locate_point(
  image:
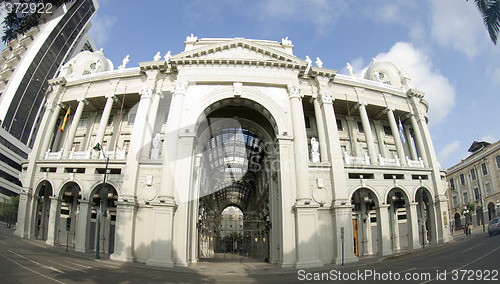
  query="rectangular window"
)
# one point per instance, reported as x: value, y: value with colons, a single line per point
x: 488, y: 189
x: 76, y: 146
x: 452, y: 184
x: 473, y: 174
x: 485, y: 170
x: 339, y: 125
x: 82, y: 122
x: 462, y: 179
x: 476, y: 193
x: 497, y: 158
x: 387, y: 130
x: 131, y: 118
x: 466, y: 198
x: 307, y: 121
x: 455, y: 201
x: 360, y: 127
x: 110, y: 120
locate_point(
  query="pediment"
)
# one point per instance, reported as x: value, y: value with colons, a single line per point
x: 239, y: 50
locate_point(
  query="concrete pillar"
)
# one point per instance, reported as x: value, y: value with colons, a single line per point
x: 384, y: 232
x: 83, y: 226
x: 409, y: 144
x: 161, y: 246
x: 412, y: 222
x: 419, y: 141
x: 103, y: 122
x: 380, y: 134
x: 393, y: 218
x: 368, y: 133
x: 125, y: 229
x: 50, y: 128
x: 353, y: 137
x: 342, y: 218
x: 53, y: 231
x: 169, y: 150
x: 323, y: 150
x: 299, y: 145
x: 306, y: 223
x: 74, y: 126
x: 24, y: 214
x: 395, y: 135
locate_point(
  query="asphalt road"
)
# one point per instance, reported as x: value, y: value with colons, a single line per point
x: 467, y: 260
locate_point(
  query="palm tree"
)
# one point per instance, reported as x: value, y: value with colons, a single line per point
x: 490, y: 10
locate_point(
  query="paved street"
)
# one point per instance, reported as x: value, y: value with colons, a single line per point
x: 467, y: 258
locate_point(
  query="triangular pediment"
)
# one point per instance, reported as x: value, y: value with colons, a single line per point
x: 239, y: 50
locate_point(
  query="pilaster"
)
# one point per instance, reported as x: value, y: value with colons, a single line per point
x: 161, y: 246
x: 306, y: 224
x: 53, y: 228
x: 124, y: 232
x: 83, y: 227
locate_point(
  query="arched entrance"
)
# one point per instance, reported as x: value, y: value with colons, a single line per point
x: 458, y: 223
x: 491, y: 211
x: 70, y: 207
x: 42, y: 210
x: 104, y: 208
x: 364, y: 203
x: 236, y: 157
x: 425, y: 213
x: 399, y: 225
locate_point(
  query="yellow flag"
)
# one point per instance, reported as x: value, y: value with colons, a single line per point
x: 66, y: 118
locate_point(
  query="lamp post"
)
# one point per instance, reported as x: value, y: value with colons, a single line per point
x: 98, y: 147
x: 466, y: 214
x: 498, y: 207
x: 480, y: 194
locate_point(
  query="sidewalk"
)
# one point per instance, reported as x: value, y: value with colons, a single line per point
x: 245, y: 268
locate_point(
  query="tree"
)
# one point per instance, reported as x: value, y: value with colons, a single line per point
x: 9, y: 209
x: 26, y: 14
x: 490, y: 10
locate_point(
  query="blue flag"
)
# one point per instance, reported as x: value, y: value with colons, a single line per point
x: 401, y: 134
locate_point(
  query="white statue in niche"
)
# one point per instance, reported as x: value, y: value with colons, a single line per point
x: 315, y: 150
x: 155, y: 151
x: 157, y: 57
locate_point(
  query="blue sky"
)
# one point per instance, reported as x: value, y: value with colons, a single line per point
x: 442, y: 44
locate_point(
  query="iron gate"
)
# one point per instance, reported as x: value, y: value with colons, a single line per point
x: 241, y: 241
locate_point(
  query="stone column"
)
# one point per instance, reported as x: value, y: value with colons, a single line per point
x: 368, y: 133
x: 420, y: 143
x: 411, y: 147
x: 384, y: 232
x: 171, y: 140
x: 380, y: 134
x: 299, y: 145
x: 104, y: 122
x: 321, y: 130
x: 393, y: 218
x: 395, y: 135
x: 151, y: 121
x: 161, y: 246
x: 50, y: 128
x: 342, y: 218
x: 125, y: 229
x: 353, y: 137
x: 24, y: 214
x: 83, y: 227
x: 53, y: 231
x: 74, y: 126
x: 412, y: 222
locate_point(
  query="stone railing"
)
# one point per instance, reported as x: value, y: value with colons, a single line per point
x: 53, y: 155
x: 80, y: 155
x: 395, y: 162
x: 415, y: 164
x: 114, y: 155
x: 354, y: 160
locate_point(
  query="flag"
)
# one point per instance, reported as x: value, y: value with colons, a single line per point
x: 66, y: 118
x: 401, y: 134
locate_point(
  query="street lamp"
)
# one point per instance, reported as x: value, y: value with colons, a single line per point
x: 498, y: 207
x: 466, y: 213
x: 98, y: 147
x: 480, y: 194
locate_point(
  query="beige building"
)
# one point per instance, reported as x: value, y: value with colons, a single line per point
x: 322, y: 165
x: 475, y: 180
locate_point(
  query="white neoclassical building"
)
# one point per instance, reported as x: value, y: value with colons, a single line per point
x: 323, y: 167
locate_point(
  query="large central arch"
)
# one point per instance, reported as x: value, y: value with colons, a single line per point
x: 237, y: 168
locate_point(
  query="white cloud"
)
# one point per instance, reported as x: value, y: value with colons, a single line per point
x: 489, y: 138
x: 447, y: 151
x: 458, y: 24
x: 438, y: 91
x: 101, y: 28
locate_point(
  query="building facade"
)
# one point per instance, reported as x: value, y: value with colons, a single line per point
x: 315, y: 160
x: 473, y: 186
x: 26, y: 65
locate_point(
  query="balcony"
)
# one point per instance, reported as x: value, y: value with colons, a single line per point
x: 83, y: 155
